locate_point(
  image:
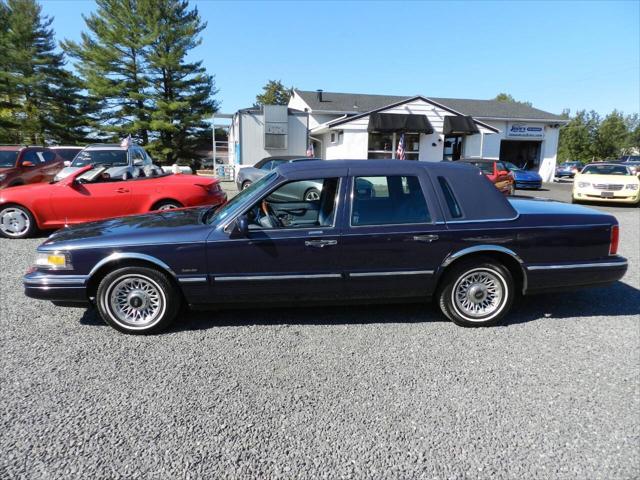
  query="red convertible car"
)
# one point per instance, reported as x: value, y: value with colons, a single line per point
x: 91, y: 194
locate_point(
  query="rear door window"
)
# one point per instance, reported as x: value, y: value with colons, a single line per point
x: 388, y: 200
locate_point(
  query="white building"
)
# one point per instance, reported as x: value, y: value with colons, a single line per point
x: 357, y: 126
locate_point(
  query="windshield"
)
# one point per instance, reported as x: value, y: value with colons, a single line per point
x: 605, y: 170
x: 237, y: 201
x: 100, y: 157
x: 8, y: 159
x: 486, y: 167
x: 511, y: 166
x: 67, y: 153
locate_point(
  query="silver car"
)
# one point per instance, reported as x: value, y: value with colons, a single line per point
x: 131, y: 161
x: 305, y: 191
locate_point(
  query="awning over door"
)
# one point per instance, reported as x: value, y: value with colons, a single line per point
x: 459, y: 125
x: 397, y: 122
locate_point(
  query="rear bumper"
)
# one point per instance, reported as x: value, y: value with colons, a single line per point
x: 543, y: 278
x: 64, y: 289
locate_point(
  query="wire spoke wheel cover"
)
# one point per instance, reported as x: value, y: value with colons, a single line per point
x: 479, y: 294
x: 14, y: 222
x: 136, y: 301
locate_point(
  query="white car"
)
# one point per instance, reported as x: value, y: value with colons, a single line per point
x: 606, y: 182
x: 130, y: 160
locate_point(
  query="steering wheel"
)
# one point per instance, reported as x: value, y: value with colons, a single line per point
x: 269, y: 213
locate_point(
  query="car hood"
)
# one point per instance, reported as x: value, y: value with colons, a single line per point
x: 169, y: 226
x: 609, y: 179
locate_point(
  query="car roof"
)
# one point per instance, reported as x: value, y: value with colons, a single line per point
x: 66, y: 146
x: 606, y: 164
x: 362, y: 165
x: 105, y: 146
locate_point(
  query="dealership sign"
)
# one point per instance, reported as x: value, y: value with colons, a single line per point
x: 528, y: 130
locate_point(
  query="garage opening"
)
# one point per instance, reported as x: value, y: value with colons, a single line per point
x: 524, y: 154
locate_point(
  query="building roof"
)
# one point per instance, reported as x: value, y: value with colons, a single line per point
x: 361, y: 103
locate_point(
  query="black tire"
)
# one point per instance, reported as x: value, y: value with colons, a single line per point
x: 12, y: 217
x: 246, y: 184
x: 114, y: 285
x: 573, y: 200
x: 167, y: 205
x: 499, y: 278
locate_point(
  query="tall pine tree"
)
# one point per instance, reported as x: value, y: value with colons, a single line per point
x: 111, y: 61
x: 40, y: 101
x: 181, y: 90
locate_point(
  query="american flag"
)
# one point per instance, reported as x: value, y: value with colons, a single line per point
x: 400, y: 149
x: 310, y: 151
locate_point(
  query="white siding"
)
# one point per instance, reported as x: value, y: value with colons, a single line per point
x: 252, y: 143
x: 356, y: 139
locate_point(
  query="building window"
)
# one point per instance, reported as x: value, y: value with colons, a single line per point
x: 384, y: 145
x: 452, y: 148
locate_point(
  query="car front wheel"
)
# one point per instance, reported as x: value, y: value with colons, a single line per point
x: 477, y: 293
x: 16, y: 222
x: 137, y: 300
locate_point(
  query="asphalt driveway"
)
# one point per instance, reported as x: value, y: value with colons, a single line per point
x: 359, y: 392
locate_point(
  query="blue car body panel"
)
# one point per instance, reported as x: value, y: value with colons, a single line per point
x: 548, y: 245
x: 527, y: 179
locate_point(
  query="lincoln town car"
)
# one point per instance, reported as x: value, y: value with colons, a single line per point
x: 378, y: 231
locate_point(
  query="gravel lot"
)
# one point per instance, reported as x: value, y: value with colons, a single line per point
x: 384, y: 392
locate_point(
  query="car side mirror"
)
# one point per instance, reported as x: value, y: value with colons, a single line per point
x: 27, y: 163
x: 67, y: 163
x: 240, y: 227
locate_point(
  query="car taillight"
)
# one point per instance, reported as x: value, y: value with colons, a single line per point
x: 615, y: 238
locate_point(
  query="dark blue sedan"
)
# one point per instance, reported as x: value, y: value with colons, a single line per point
x: 379, y: 231
x: 525, y: 179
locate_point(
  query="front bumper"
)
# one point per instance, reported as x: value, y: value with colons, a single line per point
x: 58, y: 288
x: 619, y: 196
x: 534, y: 184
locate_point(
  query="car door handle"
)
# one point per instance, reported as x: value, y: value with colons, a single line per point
x: 319, y: 243
x: 425, y: 238
x: 122, y: 190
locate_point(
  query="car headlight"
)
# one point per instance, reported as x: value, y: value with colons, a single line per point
x: 583, y: 184
x: 632, y: 186
x: 53, y: 260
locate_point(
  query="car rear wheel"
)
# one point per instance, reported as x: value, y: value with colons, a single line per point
x: 167, y: 205
x: 137, y: 300
x: 246, y: 184
x: 16, y: 222
x: 477, y: 293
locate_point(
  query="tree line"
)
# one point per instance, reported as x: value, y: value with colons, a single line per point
x: 589, y: 137
x: 133, y: 76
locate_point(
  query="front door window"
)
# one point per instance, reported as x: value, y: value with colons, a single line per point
x: 297, y: 204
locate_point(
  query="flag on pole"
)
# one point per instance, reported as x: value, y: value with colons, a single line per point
x: 310, y: 151
x: 400, y: 149
x: 126, y: 141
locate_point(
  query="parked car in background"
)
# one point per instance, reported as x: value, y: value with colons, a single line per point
x: 568, y: 169
x: 497, y: 172
x: 525, y: 179
x: 119, y: 160
x: 606, y: 182
x: 248, y: 175
x: 21, y: 165
x: 381, y: 230
x: 634, y: 166
x: 91, y: 194
x: 67, y: 152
